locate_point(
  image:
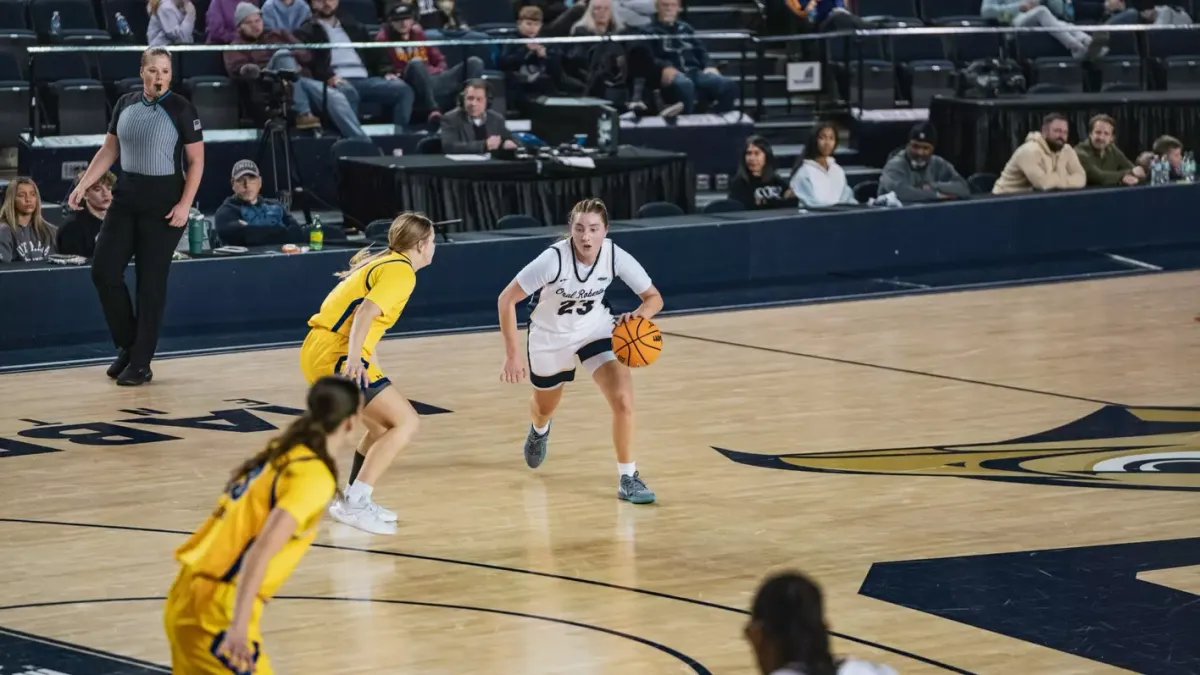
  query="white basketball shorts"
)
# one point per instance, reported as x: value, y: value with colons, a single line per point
x: 552, y: 355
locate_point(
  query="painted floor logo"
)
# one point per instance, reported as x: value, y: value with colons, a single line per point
x: 1114, y: 447
x: 26, y: 654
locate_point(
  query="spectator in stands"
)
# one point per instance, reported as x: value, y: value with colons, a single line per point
x: 757, y: 184
x: 286, y: 15
x: 248, y: 219
x: 635, y: 14
x: 1170, y: 149
x: 472, y: 128
x: 827, y: 15
x: 441, y: 19
x: 25, y: 236
x: 617, y: 71
x: 531, y: 69
x: 361, y: 75
x: 1103, y: 162
x: 424, y: 68
x: 1043, y: 162
x: 817, y: 180
x: 915, y: 174
x: 549, y: 10
x: 220, y: 27
x: 1119, y: 12
x: 1032, y: 13
x: 687, y: 72
x: 172, y: 22
x: 307, y: 93
x: 78, y: 232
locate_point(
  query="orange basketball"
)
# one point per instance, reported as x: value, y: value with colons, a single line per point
x: 637, y: 342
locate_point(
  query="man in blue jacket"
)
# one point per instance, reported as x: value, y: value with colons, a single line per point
x: 687, y: 73
x: 248, y: 219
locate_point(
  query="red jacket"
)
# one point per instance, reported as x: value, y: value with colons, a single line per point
x: 402, y: 55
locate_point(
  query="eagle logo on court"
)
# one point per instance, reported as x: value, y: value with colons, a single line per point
x: 1147, y: 448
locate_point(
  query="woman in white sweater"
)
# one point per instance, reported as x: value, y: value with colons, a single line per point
x: 817, y: 179
x: 172, y: 22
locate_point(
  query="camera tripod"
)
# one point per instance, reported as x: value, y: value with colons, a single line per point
x: 274, y: 135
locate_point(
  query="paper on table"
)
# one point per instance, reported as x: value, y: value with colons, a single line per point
x: 469, y: 158
x: 580, y: 162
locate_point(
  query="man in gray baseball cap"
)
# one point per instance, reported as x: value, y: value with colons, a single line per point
x: 249, y: 219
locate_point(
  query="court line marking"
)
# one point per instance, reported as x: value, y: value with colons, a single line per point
x: 85, y: 650
x: 516, y: 570
x: 894, y: 369
x: 695, y: 665
x: 716, y: 309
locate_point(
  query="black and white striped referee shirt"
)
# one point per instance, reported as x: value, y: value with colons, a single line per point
x: 152, y: 133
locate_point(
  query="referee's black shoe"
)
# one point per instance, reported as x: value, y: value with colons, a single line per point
x: 133, y: 377
x: 114, y: 371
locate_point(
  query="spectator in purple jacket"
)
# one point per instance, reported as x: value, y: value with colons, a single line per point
x: 219, y: 26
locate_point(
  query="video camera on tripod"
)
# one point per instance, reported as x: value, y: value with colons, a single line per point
x: 273, y: 86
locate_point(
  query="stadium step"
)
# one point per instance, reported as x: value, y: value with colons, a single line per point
x: 785, y: 133
x: 731, y: 63
x: 722, y: 17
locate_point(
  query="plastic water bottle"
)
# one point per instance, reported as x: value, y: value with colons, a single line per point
x: 55, y: 23
x: 1069, y: 10
x: 123, y: 25
x: 1189, y: 167
x: 316, y: 236
x: 195, y: 233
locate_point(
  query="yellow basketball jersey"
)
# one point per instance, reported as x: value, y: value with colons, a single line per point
x: 302, y: 485
x: 388, y: 282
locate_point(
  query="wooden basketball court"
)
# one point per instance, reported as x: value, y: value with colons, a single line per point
x: 501, y: 569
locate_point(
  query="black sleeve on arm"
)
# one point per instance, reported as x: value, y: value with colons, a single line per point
x: 122, y: 104
x: 187, y: 120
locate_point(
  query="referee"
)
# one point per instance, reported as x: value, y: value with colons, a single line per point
x: 151, y: 131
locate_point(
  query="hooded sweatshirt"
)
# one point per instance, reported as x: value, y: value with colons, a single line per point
x: 909, y: 183
x: 279, y: 16
x: 21, y: 244
x: 815, y: 185
x: 1034, y: 167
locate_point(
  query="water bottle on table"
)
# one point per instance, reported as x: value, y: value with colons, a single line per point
x: 316, y: 235
x: 195, y: 232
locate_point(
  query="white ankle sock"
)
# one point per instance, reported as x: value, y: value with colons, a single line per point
x: 541, y: 431
x: 359, y: 492
x: 627, y: 469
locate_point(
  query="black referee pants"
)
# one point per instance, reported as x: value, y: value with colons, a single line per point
x: 136, y: 225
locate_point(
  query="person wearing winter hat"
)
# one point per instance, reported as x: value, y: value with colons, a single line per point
x: 915, y: 174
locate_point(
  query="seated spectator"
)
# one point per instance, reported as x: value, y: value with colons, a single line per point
x: 917, y: 175
x: 358, y: 74
x: 548, y: 10
x: 817, y: 180
x: 424, y: 68
x: 1103, y: 162
x: 827, y: 15
x: 1032, y: 13
x: 24, y: 235
x: 617, y: 71
x: 248, y: 219
x: 78, y: 232
x: 220, y: 28
x: 472, y: 128
x: 1166, y: 148
x: 172, y: 22
x: 687, y: 73
x: 531, y: 69
x: 1043, y: 162
x: 440, y: 19
x: 757, y: 185
x: 634, y: 14
x: 286, y: 15
x: 307, y: 93
x: 1119, y: 12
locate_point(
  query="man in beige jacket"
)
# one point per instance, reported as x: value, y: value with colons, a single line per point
x: 1043, y: 162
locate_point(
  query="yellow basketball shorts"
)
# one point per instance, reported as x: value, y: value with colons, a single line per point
x: 198, y: 610
x: 324, y: 353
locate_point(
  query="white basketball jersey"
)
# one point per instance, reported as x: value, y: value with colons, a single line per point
x: 573, y: 301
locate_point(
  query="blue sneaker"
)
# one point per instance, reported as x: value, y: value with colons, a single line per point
x: 634, y: 490
x: 535, y: 447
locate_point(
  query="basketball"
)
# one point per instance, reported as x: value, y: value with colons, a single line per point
x: 637, y: 342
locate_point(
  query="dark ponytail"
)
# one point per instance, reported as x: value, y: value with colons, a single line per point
x: 791, y: 612
x: 330, y: 401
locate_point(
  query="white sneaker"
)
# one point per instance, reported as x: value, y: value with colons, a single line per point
x: 365, y: 517
x: 385, y: 514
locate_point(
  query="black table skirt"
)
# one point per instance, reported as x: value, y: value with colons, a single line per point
x: 981, y: 134
x: 481, y: 192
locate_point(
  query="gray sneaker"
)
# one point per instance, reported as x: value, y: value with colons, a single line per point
x: 535, y: 447
x: 634, y: 490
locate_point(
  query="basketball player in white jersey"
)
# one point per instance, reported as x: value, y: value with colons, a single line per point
x: 571, y: 320
x: 788, y: 634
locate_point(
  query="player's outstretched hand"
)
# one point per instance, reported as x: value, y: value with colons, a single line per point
x: 513, y: 372
x: 236, y: 649
x: 636, y: 314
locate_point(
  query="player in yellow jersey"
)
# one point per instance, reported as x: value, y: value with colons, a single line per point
x: 342, y: 339
x: 264, y: 523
